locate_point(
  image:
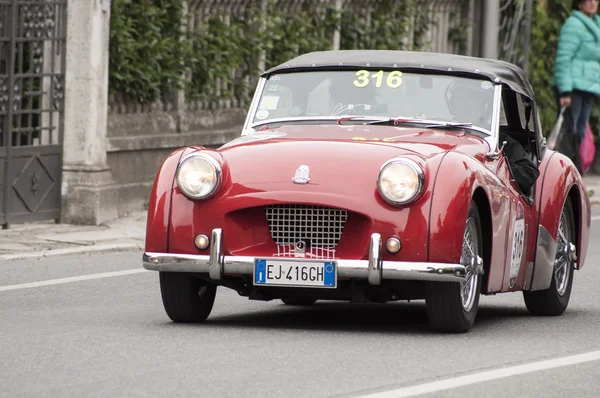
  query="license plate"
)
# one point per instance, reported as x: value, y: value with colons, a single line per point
x: 295, y: 273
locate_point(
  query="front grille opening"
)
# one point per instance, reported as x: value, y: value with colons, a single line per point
x: 316, y: 226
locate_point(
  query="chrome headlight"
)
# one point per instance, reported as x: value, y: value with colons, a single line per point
x: 199, y: 176
x: 400, y: 180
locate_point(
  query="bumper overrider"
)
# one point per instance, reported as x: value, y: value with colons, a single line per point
x: 374, y: 269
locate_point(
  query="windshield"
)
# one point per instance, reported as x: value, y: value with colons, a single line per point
x: 376, y: 93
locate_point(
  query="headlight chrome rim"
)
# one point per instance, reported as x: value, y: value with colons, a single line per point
x: 420, y: 177
x: 218, y: 173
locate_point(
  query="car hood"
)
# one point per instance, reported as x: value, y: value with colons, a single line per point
x: 418, y: 140
x: 340, y: 158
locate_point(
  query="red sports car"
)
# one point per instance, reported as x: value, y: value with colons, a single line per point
x: 374, y: 176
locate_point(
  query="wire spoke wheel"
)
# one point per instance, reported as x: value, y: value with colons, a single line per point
x: 555, y: 299
x: 563, y: 260
x: 469, y: 260
x: 452, y: 306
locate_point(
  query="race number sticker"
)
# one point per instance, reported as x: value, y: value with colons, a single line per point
x: 364, y: 78
x: 518, y: 240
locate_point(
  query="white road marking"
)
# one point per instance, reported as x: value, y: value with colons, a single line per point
x: 595, y: 218
x: 480, y: 377
x: 71, y: 279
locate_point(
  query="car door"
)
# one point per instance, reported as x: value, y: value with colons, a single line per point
x: 520, y: 230
x: 521, y: 220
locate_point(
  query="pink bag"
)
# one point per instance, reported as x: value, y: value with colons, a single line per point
x: 587, y: 149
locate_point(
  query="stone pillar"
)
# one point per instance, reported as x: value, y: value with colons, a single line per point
x: 337, y: 32
x: 263, y: 26
x: 491, y: 29
x: 88, y: 191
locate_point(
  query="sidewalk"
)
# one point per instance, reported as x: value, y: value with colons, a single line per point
x: 37, y: 240
x: 50, y: 239
x: 592, y: 182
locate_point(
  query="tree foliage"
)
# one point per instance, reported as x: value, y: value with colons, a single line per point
x: 547, y: 19
x: 154, y: 52
x: 146, y: 53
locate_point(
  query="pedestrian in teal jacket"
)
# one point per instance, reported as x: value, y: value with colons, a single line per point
x: 576, y: 79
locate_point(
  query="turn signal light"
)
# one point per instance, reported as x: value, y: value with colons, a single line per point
x: 393, y: 245
x: 201, y: 242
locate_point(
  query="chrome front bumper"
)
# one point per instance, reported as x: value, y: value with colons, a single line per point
x: 373, y: 269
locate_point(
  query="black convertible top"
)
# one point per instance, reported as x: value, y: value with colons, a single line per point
x: 494, y: 70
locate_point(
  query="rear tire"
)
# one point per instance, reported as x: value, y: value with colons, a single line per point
x: 449, y: 310
x: 185, y: 297
x: 554, y: 300
x: 298, y: 301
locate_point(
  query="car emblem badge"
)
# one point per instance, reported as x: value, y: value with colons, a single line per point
x: 301, y: 176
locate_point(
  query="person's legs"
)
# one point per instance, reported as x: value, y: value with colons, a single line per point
x: 575, y: 116
x: 578, y: 102
x: 586, y: 100
x: 585, y: 109
x: 582, y: 123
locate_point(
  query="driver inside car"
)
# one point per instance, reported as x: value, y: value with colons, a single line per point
x: 469, y: 102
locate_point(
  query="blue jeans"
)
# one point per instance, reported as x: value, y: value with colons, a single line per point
x: 577, y: 115
x: 574, y: 126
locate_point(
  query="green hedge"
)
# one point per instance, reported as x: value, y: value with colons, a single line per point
x: 150, y: 57
x: 548, y: 17
x: 147, y: 55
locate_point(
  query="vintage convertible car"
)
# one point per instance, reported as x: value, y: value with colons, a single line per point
x: 373, y: 176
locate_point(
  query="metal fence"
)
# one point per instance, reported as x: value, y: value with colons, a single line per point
x: 514, y: 32
x: 451, y: 26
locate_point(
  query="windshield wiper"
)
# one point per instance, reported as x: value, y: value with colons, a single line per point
x: 431, y: 123
x: 346, y: 118
x: 396, y: 121
x: 448, y: 125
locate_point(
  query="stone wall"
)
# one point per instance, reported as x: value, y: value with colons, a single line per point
x: 141, y: 137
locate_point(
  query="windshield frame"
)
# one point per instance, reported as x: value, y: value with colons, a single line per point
x: 249, y: 127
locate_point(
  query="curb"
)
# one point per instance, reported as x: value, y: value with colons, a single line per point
x: 75, y: 250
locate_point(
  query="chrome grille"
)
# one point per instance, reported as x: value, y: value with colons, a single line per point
x: 316, y: 226
x: 311, y: 252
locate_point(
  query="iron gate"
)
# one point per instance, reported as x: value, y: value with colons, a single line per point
x: 32, y: 77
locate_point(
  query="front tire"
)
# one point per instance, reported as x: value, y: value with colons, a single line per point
x: 554, y: 300
x: 185, y: 297
x: 452, y: 306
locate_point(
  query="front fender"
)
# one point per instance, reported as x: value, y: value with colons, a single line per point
x: 456, y: 181
x: 561, y: 182
x: 159, y: 203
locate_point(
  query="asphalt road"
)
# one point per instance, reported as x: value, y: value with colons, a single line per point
x: 108, y: 335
